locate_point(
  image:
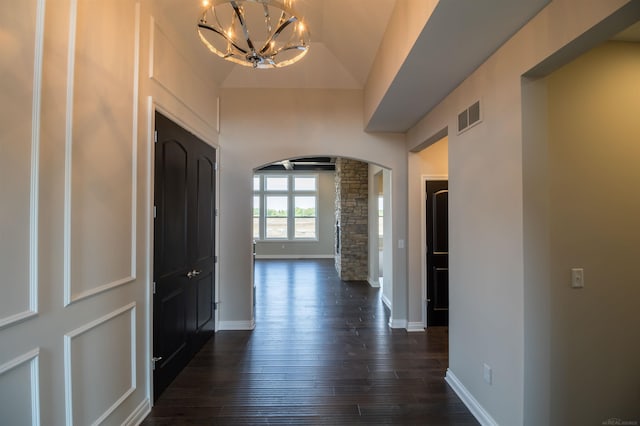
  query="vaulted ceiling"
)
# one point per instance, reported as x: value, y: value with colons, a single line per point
x: 345, y: 38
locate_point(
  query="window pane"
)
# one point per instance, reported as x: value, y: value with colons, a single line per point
x: 276, y: 183
x: 277, y: 207
x: 304, y: 183
x: 256, y: 206
x: 305, y: 206
x: 256, y: 183
x: 276, y: 227
x: 256, y: 228
x: 305, y: 227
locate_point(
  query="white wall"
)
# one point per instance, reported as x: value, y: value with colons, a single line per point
x: 324, y: 246
x: 76, y: 217
x: 486, y: 211
x: 594, y: 154
x: 286, y: 124
x: 430, y: 162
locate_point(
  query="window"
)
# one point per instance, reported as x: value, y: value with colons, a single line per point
x: 289, y: 207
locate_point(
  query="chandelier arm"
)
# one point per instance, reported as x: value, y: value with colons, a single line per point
x: 277, y: 32
x: 267, y: 16
x: 243, y: 23
x: 223, y: 34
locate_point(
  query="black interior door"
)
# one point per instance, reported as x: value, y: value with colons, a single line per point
x: 184, y: 249
x: 437, y: 210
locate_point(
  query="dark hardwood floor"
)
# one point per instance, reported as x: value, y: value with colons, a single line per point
x: 321, y: 353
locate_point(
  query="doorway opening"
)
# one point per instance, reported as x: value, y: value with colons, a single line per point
x: 325, y: 208
x: 432, y: 164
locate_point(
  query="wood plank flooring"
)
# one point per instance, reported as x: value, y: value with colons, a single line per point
x: 321, y: 353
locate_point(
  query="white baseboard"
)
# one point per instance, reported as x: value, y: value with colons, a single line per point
x: 139, y: 414
x: 373, y: 282
x: 397, y: 323
x: 415, y: 327
x: 294, y: 256
x: 237, y: 325
x: 386, y: 301
x: 472, y: 404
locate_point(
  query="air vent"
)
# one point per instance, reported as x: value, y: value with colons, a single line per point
x: 469, y: 117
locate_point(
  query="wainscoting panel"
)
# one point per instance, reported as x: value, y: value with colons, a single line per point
x: 99, y: 376
x: 19, y: 390
x: 100, y: 151
x: 21, y: 65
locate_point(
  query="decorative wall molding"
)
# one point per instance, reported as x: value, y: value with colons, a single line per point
x: 68, y: 361
x: 69, y: 295
x: 34, y: 175
x: 32, y: 357
x: 139, y: 414
x: 467, y: 398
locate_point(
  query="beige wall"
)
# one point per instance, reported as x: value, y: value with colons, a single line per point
x: 430, y: 162
x: 487, y: 263
x: 593, y: 106
x: 287, y: 124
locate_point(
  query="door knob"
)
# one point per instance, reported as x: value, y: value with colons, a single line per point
x: 196, y: 272
x: 190, y: 274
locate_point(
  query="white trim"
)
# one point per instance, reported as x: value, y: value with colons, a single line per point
x: 373, y: 282
x: 34, y: 184
x: 416, y: 326
x: 423, y: 242
x: 139, y: 414
x: 218, y: 114
x: 294, y: 256
x: 35, y: 161
x: 397, y: 323
x: 237, y: 325
x: 68, y: 146
x: 483, y: 417
x: 68, y: 379
x: 149, y: 249
x: 69, y: 296
x: 32, y: 357
x: 385, y: 300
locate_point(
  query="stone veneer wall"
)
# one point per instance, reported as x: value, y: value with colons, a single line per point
x: 352, y: 197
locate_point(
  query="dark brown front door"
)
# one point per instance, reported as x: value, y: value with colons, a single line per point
x: 437, y: 253
x: 184, y: 255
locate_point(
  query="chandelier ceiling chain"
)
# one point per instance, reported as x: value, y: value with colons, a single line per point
x: 242, y: 31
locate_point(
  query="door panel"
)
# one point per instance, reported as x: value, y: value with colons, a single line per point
x: 205, y: 211
x: 171, y: 201
x: 437, y: 217
x: 184, y: 249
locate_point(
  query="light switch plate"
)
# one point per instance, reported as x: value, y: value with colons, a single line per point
x: 577, y: 278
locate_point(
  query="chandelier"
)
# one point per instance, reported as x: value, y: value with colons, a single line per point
x: 254, y: 33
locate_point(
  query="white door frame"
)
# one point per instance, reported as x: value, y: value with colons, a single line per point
x: 423, y: 244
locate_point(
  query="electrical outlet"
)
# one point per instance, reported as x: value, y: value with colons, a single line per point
x: 486, y: 374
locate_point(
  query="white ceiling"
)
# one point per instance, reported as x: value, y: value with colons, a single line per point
x: 345, y: 36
